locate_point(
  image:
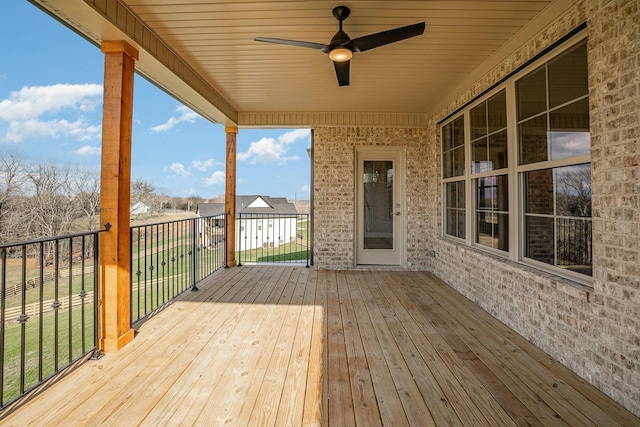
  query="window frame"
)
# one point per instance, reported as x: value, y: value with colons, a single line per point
x: 515, y: 171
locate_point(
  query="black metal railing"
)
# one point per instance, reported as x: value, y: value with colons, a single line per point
x: 272, y: 238
x: 48, y: 309
x: 170, y: 257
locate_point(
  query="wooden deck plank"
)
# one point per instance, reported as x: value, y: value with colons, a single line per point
x: 508, y: 342
x: 500, y: 409
x: 410, y: 396
x: 391, y: 409
x: 169, y: 366
x: 363, y: 395
x: 227, y: 404
x: 455, y: 395
x: 313, y: 414
x: 517, y: 377
x: 188, y: 397
x: 293, y: 392
x: 290, y: 346
x: 340, y: 403
x: 236, y: 359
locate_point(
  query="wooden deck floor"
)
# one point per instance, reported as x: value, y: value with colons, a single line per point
x: 289, y: 346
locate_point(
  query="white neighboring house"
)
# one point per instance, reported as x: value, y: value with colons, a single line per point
x: 261, y: 221
x: 139, y: 208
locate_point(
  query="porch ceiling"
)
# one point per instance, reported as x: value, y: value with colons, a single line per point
x: 203, y: 52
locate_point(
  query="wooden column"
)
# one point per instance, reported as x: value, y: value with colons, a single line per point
x: 230, y: 196
x: 115, y: 251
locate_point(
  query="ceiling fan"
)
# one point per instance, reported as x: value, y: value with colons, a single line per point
x: 341, y: 47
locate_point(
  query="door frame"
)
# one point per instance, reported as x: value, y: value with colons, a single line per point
x: 398, y: 155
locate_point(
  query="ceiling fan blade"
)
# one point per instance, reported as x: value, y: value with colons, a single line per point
x: 298, y: 43
x: 342, y: 72
x: 361, y: 44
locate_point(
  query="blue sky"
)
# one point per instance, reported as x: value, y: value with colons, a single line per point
x: 51, y: 111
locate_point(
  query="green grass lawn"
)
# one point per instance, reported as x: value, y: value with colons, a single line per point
x: 66, y: 350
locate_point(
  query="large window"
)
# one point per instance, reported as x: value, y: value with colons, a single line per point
x: 488, y: 121
x: 453, y: 171
x: 527, y: 167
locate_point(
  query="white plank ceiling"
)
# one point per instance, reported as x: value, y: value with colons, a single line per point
x: 255, y: 82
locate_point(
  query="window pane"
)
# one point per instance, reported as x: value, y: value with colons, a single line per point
x: 498, y: 150
x: 539, y: 192
x: 453, y: 148
x: 447, y: 164
x: 479, y: 156
x: 447, y: 137
x: 492, y: 193
x: 569, y: 130
x: 453, y: 134
x: 497, y: 112
x: 458, y: 161
x: 561, y: 200
x: 455, y: 209
x: 533, y: 140
x: 539, y: 239
x: 573, y: 191
x: 573, y: 243
x: 531, y: 94
x: 493, y: 230
x: 492, y: 219
x: 458, y: 132
x: 478, y: 116
x: 453, y: 163
x: 568, y: 76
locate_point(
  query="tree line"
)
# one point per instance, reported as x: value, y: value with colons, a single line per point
x: 46, y: 200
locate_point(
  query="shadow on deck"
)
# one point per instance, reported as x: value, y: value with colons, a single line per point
x: 274, y: 346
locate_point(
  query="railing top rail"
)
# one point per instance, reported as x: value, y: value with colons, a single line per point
x: 49, y: 239
x: 175, y: 221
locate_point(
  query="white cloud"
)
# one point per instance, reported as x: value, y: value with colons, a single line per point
x: 178, y: 169
x: 203, y: 165
x: 306, y: 189
x: 218, y: 177
x: 88, y: 150
x: 185, y: 114
x: 269, y: 150
x: 24, y: 110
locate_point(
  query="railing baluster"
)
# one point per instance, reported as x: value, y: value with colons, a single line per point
x: 3, y: 282
x: 41, y: 311
x: 23, y: 318
x: 70, y: 295
x: 56, y: 304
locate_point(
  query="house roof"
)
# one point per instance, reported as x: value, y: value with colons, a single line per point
x: 251, y: 205
x: 204, y: 53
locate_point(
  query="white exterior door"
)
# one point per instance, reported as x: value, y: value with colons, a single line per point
x: 380, y: 222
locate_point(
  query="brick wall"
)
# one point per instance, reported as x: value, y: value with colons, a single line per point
x: 334, y: 184
x: 594, y: 331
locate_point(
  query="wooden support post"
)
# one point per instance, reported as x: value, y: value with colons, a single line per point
x: 115, y: 177
x: 230, y: 196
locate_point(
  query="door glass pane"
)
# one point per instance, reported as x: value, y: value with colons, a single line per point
x: 378, y: 204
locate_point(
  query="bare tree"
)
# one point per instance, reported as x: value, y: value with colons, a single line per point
x: 84, y: 185
x: 12, y: 177
x: 52, y: 209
